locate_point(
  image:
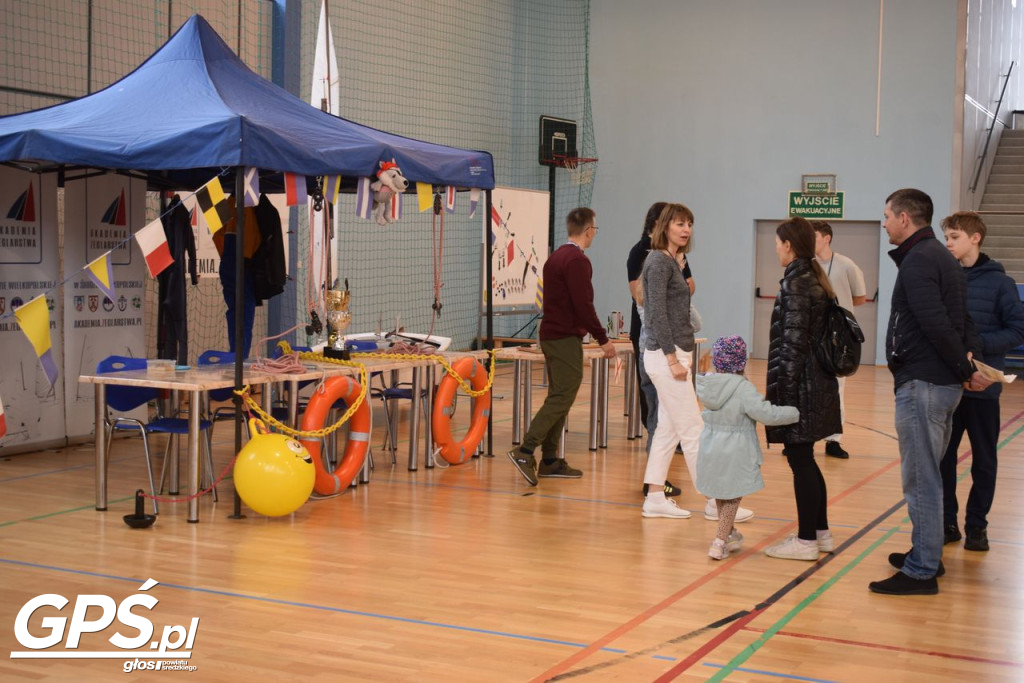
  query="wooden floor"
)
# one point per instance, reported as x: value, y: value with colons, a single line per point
x: 468, y: 574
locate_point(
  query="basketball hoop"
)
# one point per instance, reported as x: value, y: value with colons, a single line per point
x: 581, y: 169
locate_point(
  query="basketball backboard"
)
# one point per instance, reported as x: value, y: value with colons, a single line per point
x: 557, y: 140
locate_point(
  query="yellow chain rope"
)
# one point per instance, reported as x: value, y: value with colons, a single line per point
x: 363, y: 384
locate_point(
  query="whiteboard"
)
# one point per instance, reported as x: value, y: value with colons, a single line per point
x: 517, y: 236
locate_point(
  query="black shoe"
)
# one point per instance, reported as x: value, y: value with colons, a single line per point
x: 897, y: 560
x: 901, y: 584
x: 951, y: 534
x: 977, y: 539
x: 526, y: 464
x: 670, y: 490
x: 836, y: 450
x: 558, y: 469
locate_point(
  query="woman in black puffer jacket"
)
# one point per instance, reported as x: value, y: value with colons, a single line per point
x: 796, y: 378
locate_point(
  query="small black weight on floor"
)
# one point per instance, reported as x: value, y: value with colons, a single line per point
x: 140, y: 520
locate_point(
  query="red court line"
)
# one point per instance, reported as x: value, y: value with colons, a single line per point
x: 892, y: 648
x: 652, y: 611
x: 707, y: 647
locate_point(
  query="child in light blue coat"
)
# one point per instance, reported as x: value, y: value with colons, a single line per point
x: 729, y: 461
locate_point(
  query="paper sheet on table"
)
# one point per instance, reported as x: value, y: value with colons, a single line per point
x: 993, y: 374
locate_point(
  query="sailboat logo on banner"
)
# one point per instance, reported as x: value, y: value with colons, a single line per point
x: 115, y: 213
x: 24, y: 207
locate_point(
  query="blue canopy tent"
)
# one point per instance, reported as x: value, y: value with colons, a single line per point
x: 194, y: 109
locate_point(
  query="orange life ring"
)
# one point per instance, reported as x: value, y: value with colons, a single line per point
x: 358, y: 445
x: 456, y: 452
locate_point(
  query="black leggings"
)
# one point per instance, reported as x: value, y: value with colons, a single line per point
x: 809, y: 487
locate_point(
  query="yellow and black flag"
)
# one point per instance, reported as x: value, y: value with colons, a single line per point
x: 214, y: 204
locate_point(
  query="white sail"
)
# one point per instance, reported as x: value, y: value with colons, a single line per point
x: 323, y: 95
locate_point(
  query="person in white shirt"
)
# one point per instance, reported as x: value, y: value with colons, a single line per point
x: 848, y: 282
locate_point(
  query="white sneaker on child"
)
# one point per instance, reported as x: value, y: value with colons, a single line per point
x: 718, y: 550
x: 663, y: 507
x: 734, y: 542
x: 793, y: 548
x: 711, y: 513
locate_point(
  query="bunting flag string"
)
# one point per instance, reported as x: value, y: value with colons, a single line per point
x: 153, y: 242
x: 252, y: 187
x: 332, y: 188
x: 425, y: 196
x: 395, y: 206
x: 214, y: 204
x: 101, y: 272
x: 364, y: 199
x: 294, y: 189
x: 34, y: 319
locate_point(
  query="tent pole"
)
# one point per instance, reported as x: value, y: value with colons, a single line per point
x: 239, y: 318
x: 490, y: 315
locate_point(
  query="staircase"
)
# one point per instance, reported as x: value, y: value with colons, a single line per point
x: 1004, y: 195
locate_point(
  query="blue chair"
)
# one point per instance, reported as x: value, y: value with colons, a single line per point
x: 387, y: 394
x: 220, y: 395
x: 125, y: 398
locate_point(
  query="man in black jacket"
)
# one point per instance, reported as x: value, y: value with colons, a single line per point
x: 928, y: 345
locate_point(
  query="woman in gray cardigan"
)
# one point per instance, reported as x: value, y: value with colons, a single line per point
x: 667, y: 357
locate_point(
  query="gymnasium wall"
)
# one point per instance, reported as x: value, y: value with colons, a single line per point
x: 723, y: 104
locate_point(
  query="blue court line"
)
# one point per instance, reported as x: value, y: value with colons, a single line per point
x: 307, y: 605
x: 774, y: 674
x: 71, y: 468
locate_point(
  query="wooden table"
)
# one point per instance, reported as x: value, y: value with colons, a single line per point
x: 522, y: 388
x: 195, y: 381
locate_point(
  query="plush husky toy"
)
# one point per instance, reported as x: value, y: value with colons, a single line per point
x: 390, y: 182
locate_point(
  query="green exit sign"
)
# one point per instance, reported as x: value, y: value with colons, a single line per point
x: 820, y: 206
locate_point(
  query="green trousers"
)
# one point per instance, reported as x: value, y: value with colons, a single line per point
x: 564, y: 358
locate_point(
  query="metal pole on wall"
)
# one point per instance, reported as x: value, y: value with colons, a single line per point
x: 551, y: 209
x: 489, y: 292
x: 239, y: 318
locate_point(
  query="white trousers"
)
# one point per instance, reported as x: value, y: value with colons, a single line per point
x: 679, y: 420
x: 838, y: 438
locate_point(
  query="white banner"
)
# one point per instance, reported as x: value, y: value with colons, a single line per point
x: 29, y: 266
x: 101, y: 213
x: 518, y: 244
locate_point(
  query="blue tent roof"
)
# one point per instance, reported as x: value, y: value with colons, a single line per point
x: 195, y: 105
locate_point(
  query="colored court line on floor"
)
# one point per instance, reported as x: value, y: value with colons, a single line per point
x: 749, y: 651
x: 561, y: 667
x: 890, y: 648
x: 775, y: 674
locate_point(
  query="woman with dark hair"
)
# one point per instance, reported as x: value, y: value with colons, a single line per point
x: 796, y: 378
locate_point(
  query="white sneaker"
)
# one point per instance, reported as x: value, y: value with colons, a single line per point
x: 711, y: 513
x: 734, y: 542
x: 718, y: 550
x: 666, y: 507
x: 793, y: 548
x: 826, y: 543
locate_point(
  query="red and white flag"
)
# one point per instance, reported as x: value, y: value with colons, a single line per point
x: 3, y: 420
x: 449, y: 199
x: 153, y: 243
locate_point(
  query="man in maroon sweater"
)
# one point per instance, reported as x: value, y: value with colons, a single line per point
x: 568, y: 315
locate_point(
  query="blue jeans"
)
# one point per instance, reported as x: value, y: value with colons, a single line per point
x: 924, y: 417
x: 651, y: 395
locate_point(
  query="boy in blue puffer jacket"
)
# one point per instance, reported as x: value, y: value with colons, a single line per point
x: 998, y: 315
x: 729, y: 457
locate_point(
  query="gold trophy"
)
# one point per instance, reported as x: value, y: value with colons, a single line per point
x: 338, y: 319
